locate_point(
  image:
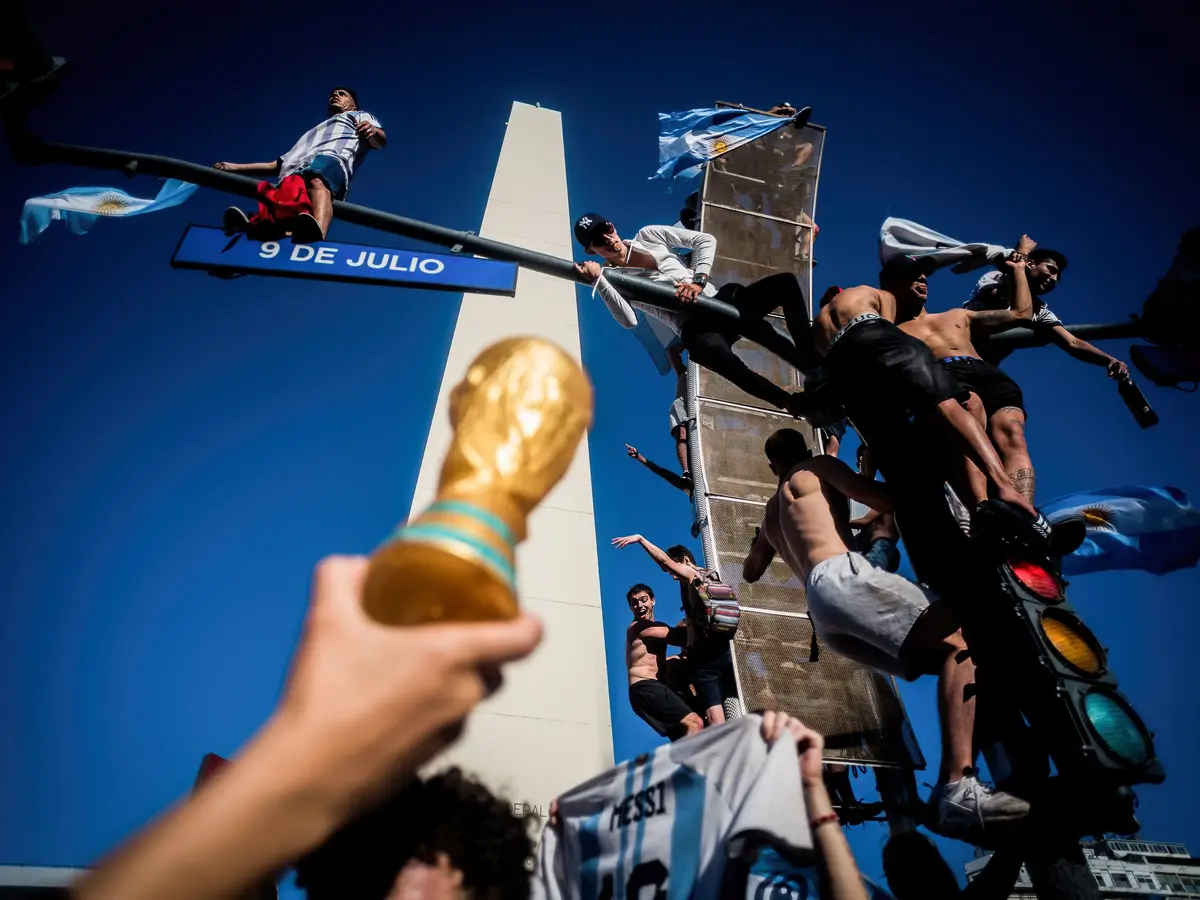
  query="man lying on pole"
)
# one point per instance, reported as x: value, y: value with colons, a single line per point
x: 708, y: 340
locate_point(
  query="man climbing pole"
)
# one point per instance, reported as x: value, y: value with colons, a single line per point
x: 323, y: 160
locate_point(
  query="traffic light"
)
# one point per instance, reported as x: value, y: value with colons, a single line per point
x: 1069, y: 694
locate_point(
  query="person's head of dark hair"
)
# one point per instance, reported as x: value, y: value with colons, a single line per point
x: 828, y: 296
x: 1044, y: 269
x: 638, y: 588
x: 340, y: 94
x: 905, y: 277
x: 447, y: 814
x: 681, y: 554
x: 785, y: 448
x: 915, y: 870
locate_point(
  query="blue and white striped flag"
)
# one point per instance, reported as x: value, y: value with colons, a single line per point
x: 1154, y: 529
x: 689, y: 139
x: 80, y: 207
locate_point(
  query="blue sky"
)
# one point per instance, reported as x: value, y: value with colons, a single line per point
x: 180, y: 450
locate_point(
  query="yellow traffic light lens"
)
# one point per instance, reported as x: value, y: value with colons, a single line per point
x: 1118, y: 727
x: 1073, y: 642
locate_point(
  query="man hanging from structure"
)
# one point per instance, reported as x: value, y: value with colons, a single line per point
x: 875, y: 617
x: 655, y: 702
x: 708, y: 340
x: 708, y: 654
x: 1043, y: 270
x: 325, y: 158
x: 879, y: 373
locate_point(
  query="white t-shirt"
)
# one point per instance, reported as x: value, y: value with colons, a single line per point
x: 987, y: 295
x: 334, y: 137
x: 660, y: 241
x: 671, y: 820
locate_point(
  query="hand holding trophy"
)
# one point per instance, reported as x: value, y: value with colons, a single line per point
x: 518, y: 417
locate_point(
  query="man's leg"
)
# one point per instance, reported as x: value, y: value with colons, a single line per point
x: 711, y: 350
x: 964, y: 804
x: 972, y: 440
x: 969, y: 482
x: 322, y: 204
x: 1007, y: 431
x: 782, y: 291
x: 681, y: 448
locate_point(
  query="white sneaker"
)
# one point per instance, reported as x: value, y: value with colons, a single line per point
x: 968, y: 806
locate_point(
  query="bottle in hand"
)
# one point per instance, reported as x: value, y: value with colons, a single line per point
x: 1136, y: 401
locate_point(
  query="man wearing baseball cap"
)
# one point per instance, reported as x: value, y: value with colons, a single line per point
x: 1045, y: 268
x: 652, y: 254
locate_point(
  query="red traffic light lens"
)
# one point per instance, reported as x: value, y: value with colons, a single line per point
x: 1037, y: 579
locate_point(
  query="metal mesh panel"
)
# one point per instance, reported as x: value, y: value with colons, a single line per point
x: 758, y: 202
x: 728, y: 448
x: 856, y: 709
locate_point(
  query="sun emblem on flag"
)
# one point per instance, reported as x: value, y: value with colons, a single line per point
x: 1098, y: 517
x: 110, y: 204
x: 720, y: 145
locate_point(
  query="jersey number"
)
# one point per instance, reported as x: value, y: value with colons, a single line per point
x: 648, y: 874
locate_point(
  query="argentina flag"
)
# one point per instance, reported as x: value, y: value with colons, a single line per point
x: 689, y: 139
x: 1154, y: 529
x: 79, y: 208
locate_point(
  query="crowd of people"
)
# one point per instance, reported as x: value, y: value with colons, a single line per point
x: 330, y: 781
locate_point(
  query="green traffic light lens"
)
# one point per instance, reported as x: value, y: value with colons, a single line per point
x: 1117, y: 727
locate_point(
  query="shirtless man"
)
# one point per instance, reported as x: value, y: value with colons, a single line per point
x: 876, y: 367
x: 949, y: 335
x: 645, y: 652
x: 875, y: 617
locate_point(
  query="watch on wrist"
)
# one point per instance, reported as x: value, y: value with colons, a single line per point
x: 701, y: 280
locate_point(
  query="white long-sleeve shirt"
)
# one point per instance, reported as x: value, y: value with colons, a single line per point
x: 660, y: 241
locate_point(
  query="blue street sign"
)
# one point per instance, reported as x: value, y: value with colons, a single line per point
x: 212, y: 250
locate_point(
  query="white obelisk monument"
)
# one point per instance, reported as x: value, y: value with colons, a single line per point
x: 549, y: 727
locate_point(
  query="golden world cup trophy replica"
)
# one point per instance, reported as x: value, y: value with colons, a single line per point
x: 518, y: 417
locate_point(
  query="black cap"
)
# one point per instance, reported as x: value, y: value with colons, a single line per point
x: 907, y: 266
x: 1039, y: 254
x: 589, y: 227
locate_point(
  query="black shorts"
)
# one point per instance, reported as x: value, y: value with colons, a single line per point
x: 878, y: 368
x: 659, y: 707
x: 994, y: 388
x: 712, y: 674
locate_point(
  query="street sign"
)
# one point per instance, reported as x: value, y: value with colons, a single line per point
x: 212, y: 250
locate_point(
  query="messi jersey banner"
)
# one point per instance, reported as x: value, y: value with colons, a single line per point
x: 1154, y: 529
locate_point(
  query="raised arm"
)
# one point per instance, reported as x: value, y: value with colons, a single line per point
x: 265, y: 168
x: 760, y: 556
x: 671, y: 478
x: 1020, y: 297
x: 843, y: 479
x: 683, y: 570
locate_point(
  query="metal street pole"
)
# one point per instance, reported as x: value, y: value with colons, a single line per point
x: 29, y: 149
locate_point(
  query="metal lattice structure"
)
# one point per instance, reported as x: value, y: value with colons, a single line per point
x: 759, y: 201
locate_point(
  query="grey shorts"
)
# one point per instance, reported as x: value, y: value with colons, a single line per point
x: 678, y: 416
x: 865, y: 613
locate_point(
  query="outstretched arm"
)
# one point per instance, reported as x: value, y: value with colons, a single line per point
x: 875, y: 494
x: 674, y: 480
x: 266, y: 168
x: 1081, y: 349
x: 591, y: 273
x: 683, y: 570
x: 760, y: 556
x: 660, y: 631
